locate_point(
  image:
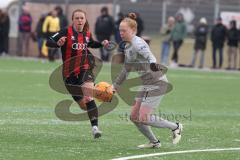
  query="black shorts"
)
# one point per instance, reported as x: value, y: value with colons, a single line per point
x: 84, y: 76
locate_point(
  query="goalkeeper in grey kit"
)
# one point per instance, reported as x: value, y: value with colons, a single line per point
x: 142, y: 111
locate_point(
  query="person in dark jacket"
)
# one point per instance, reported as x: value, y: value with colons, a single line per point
x: 24, y: 25
x: 62, y: 17
x: 40, y: 35
x: 232, y: 38
x: 239, y: 48
x: 117, y: 36
x: 200, y: 42
x: 140, y: 25
x: 104, y: 28
x: 4, y: 31
x: 218, y: 37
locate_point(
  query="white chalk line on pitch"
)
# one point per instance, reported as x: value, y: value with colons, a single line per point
x: 176, y: 152
x: 25, y: 71
x: 34, y: 59
x: 225, y: 77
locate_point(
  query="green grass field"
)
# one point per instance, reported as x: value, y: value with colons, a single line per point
x: 207, y: 103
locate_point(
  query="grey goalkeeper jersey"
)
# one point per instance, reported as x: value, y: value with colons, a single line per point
x: 137, y: 57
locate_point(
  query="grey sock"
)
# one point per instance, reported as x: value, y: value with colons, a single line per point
x: 146, y: 131
x: 159, y: 122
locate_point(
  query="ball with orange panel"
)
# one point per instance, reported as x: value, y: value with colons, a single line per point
x: 103, y: 92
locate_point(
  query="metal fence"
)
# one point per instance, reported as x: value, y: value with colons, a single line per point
x: 155, y: 12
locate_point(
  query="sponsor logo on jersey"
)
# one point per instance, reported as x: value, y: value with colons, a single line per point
x: 87, y: 39
x: 79, y: 46
x: 72, y: 38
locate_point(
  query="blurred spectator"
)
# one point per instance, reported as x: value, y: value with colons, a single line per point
x: 166, y: 34
x: 140, y: 25
x: 4, y: 31
x: 51, y: 25
x: 117, y: 23
x: 24, y: 25
x: 239, y: 48
x: 232, y: 37
x: 118, y: 58
x: 40, y: 34
x: 218, y: 36
x: 179, y: 32
x: 200, y: 42
x: 104, y: 28
x: 62, y: 17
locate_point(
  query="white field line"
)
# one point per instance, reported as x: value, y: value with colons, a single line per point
x: 22, y: 71
x: 109, y: 63
x: 225, y: 77
x: 204, y: 70
x: 171, y: 75
x: 177, y: 152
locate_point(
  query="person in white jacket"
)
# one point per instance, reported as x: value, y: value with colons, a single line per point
x: 138, y: 53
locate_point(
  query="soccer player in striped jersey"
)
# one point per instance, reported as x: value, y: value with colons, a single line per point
x: 78, y: 63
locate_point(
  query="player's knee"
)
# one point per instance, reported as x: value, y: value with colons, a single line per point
x: 88, y: 99
x: 133, y: 119
x: 142, y: 118
x: 82, y: 104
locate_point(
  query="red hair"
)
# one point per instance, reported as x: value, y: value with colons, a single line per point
x: 131, y: 21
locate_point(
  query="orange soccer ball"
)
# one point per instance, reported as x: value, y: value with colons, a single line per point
x: 103, y: 92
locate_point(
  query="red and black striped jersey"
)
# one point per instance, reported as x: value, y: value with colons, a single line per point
x: 75, y: 53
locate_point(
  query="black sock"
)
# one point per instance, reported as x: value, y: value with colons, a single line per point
x: 92, y: 112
